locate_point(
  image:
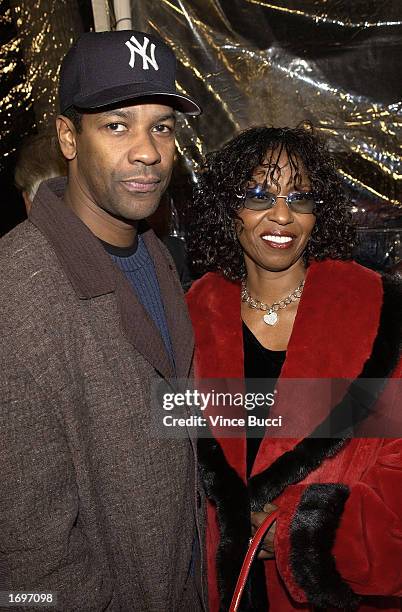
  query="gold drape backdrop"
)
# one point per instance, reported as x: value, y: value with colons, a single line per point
x: 44, y: 30
x: 334, y: 63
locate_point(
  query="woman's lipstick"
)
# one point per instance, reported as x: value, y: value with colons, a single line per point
x: 278, y: 240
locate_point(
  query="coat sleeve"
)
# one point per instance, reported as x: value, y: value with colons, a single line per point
x: 43, y: 544
x: 336, y: 542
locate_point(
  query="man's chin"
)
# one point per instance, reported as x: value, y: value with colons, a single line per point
x: 136, y: 211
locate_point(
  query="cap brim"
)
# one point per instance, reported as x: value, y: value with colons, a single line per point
x: 123, y: 93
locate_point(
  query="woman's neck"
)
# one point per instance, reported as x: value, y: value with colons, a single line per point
x: 270, y: 286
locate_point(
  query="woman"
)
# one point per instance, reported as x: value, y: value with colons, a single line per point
x: 283, y: 299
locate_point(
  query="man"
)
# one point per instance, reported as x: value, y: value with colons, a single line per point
x: 40, y: 158
x: 94, y: 506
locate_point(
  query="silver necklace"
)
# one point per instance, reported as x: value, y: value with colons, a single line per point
x: 271, y: 311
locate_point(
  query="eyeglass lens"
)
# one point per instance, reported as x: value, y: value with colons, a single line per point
x: 259, y: 199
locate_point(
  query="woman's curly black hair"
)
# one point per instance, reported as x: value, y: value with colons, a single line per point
x: 212, y: 241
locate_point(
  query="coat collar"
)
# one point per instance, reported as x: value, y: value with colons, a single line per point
x: 83, y: 258
x: 333, y: 335
x: 92, y: 273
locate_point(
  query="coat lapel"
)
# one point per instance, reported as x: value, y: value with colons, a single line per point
x: 214, y: 304
x: 140, y: 330
x: 333, y: 334
x: 92, y: 273
x: 336, y: 322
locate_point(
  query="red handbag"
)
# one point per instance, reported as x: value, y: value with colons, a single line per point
x: 249, y: 558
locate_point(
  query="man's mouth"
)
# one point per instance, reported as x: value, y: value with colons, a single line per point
x: 141, y: 185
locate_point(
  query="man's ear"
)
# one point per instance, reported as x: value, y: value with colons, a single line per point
x: 67, y: 135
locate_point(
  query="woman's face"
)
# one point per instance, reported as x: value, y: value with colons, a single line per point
x: 275, y: 239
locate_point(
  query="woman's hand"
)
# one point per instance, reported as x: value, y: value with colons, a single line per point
x: 267, y: 550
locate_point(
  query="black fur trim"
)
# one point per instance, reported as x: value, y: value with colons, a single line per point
x: 295, y: 465
x: 312, y: 536
x: 229, y: 493
x: 290, y: 468
x: 386, y: 350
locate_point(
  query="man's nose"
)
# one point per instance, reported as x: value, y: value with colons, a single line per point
x: 143, y: 149
x: 280, y: 212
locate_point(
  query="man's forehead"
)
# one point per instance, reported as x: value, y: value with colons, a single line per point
x: 138, y: 109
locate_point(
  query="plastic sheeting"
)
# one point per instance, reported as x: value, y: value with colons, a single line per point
x: 335, y: 63
x: 44, y: 31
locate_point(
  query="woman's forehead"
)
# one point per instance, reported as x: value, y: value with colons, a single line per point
x: 277, y: 163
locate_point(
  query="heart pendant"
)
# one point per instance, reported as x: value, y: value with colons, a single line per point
x: 271, y: 318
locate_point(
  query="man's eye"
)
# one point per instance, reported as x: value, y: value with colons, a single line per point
x: 116, y: 127
x: 161, y: 128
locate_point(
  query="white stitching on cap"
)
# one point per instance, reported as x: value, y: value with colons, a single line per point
x: 136, y: 47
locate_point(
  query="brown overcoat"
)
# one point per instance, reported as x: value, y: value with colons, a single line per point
x: 94, y: 504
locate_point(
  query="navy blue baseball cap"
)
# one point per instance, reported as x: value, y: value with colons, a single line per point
x: 104, y: 68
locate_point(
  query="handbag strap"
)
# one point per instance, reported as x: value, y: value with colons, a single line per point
x: 249, y: 558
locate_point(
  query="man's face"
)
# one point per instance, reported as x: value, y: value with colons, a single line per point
x: 124, y: 159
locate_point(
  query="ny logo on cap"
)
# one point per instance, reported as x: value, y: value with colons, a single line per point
x: 136, y: 47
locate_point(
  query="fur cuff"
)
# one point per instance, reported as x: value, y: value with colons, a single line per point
x: 312, y: 536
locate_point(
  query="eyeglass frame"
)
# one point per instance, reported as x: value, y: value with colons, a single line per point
x: 259, y: 190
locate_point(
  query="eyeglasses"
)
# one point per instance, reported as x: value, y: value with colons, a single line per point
x: 258, y: 198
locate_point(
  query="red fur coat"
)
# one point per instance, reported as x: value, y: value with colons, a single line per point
x: 338, y: 538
